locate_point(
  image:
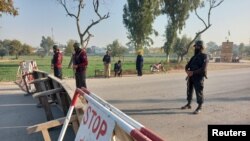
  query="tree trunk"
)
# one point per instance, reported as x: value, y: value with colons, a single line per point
x: 167, y: 57
x: 178, y: 58
x: 181, y: 58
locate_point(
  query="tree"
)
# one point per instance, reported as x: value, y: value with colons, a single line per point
x: 212, y: 48
x: 47, y: 44
x: 180, y: 46
x: 146, y: 50
x: 89, y: 50
x: 6, y: 6
x: 247, y: 51
x: 170, y: 37
x: 177, y: 12
x: 241, y: 49
x: 130, y: 48
x: 85, y: 35
x: 138, y: 17
x: 15, y: 48
x: 207, y: 24
x: 116, y: 49
x: 6, y: 45
x: 69, y: 48
x: 3, y: 52
x: 26, y: 49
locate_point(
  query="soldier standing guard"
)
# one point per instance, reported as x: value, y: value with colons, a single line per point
x: 196, y: 71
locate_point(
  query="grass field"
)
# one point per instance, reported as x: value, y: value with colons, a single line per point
x: 9, y: 66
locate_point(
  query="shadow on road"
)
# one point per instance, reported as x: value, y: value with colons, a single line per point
x: 18, y: 112
x: 157, y: 111
x: 9, y: 89
x: 145, y: 101
x: 228, y: 99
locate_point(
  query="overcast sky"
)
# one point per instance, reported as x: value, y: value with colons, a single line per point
x: 39, y: 18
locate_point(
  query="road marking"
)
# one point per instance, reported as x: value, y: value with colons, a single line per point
x: 12, y: 127
x: 9, y: 105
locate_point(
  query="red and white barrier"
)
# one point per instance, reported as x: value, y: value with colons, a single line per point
x: 125, y: 117
x: 69, y: 114
x: 129, y: 125
x: 24, y: 73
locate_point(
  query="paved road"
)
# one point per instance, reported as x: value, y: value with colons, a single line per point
x: 17, y: 112
x: 155, y: 101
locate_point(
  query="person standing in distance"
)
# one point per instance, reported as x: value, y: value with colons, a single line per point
x: 107, y: 64
x: 56, y: 62
x: 196, y: 70
x: 139, y: 63
x: 80, y: 63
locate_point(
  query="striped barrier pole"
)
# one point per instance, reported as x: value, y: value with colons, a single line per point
x: 132, y: 131
x: 67, y: 119
x: 131, y: 121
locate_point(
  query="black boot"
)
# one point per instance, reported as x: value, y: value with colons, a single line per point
x: 187, y: 106
x: 198, y: 109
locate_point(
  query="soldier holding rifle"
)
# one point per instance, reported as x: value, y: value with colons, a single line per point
x: 196, y: 71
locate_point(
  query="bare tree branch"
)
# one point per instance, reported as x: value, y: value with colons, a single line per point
x: 63, y: 3
x: 84, y: 41
x: 200, y: 18
x: 87, y: 40
x: 79, y: 8
x: 96, y: 7
x: 212, y: 5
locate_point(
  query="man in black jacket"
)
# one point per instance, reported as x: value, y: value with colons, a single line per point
x: 139, y: 64
x: 56, y: 62
x: 107, y: 64
x: 196, y: 71
x: 80, y: 63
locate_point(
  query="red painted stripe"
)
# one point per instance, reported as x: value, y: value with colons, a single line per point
x: 85, y: 90
x: 73, y: 102
x: 150, y: 134
x: 136, y: 134
x: 81, y: 92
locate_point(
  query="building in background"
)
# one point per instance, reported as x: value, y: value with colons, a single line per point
x: 226, y: 52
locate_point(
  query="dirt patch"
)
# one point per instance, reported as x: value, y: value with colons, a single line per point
x: 7, y: 83
x: 4, y: 60
x: 8, y: 60
x: 223, y: 66
x: 216, y: 66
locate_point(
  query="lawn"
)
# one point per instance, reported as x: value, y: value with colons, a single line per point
x: 9, y: 66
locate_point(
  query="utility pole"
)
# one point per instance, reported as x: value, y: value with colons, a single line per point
x: 52, y: 34
x: 228, y: 35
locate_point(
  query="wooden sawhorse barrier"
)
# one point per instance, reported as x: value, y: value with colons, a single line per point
x: 50, y: 88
